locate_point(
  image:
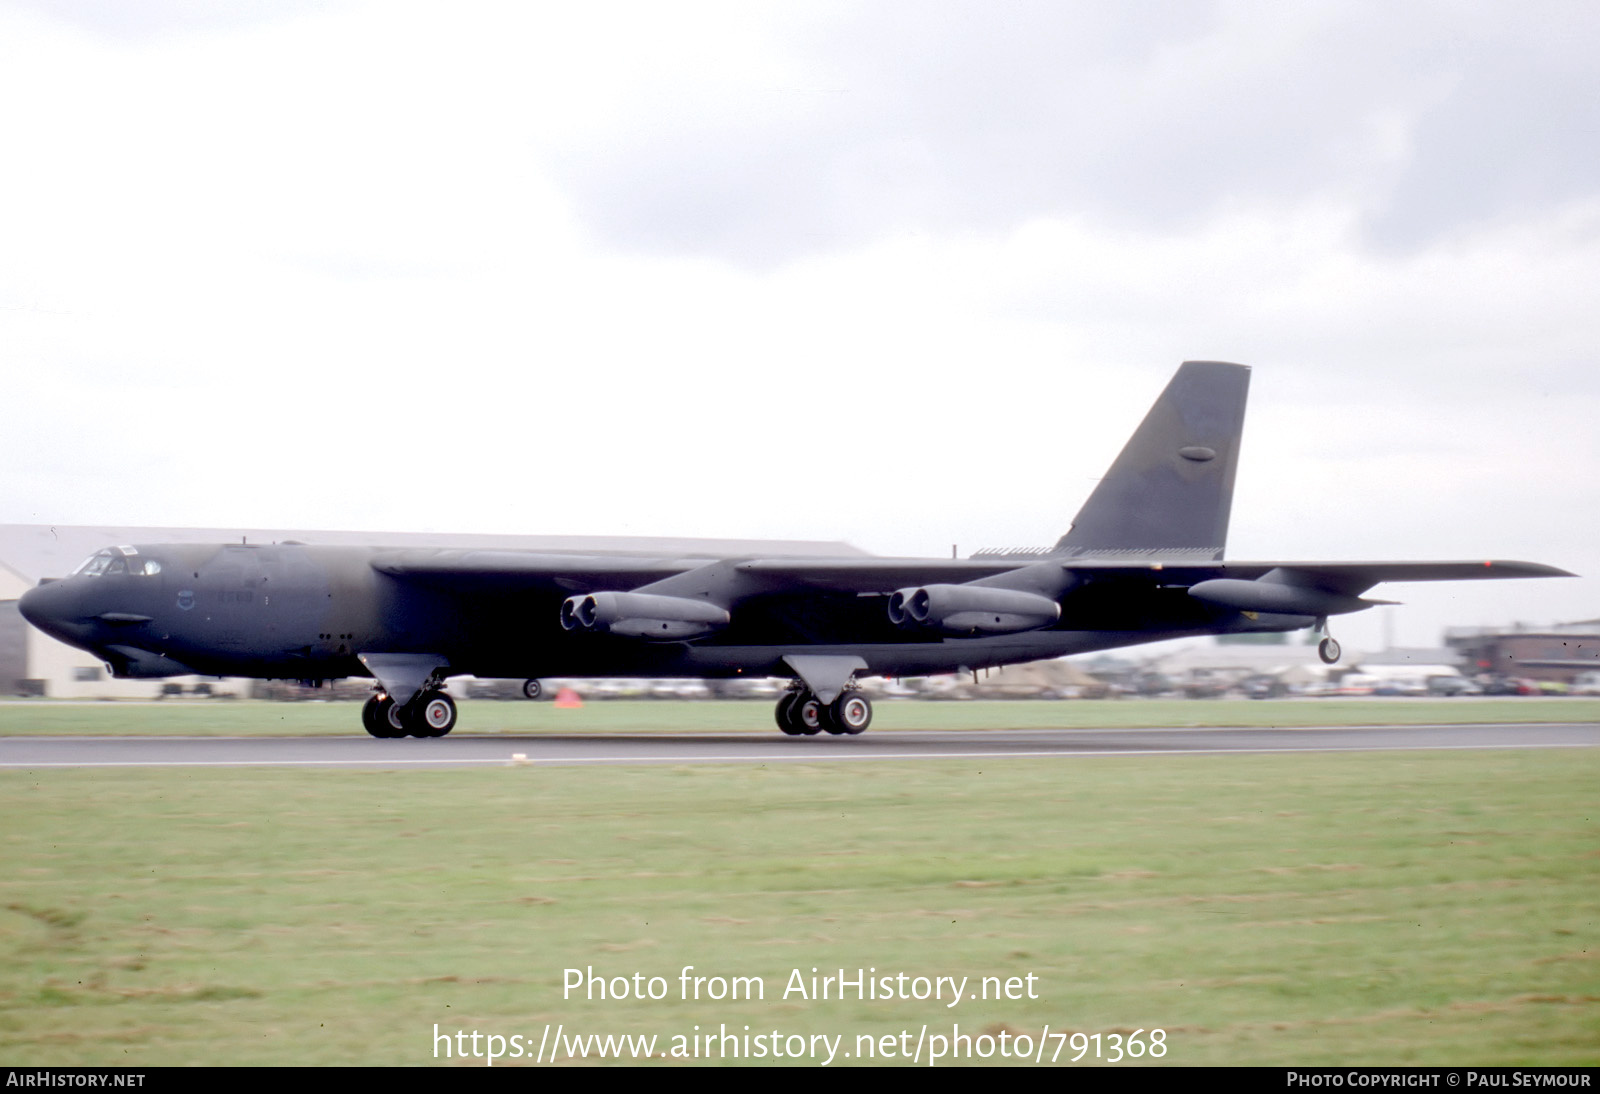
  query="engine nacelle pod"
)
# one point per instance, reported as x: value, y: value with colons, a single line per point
x: 899, y: 607
x: 643, y: 615
x: 963, y: 609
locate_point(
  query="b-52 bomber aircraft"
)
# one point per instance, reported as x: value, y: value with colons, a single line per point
x: 1142, y: 562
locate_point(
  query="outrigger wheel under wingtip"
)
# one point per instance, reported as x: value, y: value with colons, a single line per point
x: 1328, y: 649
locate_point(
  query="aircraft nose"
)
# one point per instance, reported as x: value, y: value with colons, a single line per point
x: 35, y: 603
x: 53, y: 607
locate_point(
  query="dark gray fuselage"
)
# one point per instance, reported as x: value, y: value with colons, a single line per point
x: 300, y: 612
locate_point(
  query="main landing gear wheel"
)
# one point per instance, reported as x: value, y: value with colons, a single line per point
x: 381, y: 717
x: 802, y: 714
x: 808, y: 713
x: 799, y: 714
x: 369, y: 714
x: 785, y: 714
x: 532, y: 689
x: 850, y: 713
x: 432, y: 714
x: 1328, y: 650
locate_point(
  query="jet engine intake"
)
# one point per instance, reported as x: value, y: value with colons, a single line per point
x: 963, y: 609
x: 642, y: 615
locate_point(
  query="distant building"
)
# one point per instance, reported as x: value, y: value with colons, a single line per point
x: 1557, y: 653
x: 1410, y: 656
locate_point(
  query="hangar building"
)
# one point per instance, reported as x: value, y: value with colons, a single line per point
x: 1558, y: 653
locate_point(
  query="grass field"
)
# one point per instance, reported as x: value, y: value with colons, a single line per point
x: 1335, y: 909
x: 229, y: 719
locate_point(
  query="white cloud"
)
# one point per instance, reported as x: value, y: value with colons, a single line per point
x: 384, y: 267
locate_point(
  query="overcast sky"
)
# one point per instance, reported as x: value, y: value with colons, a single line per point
x: 904, y: 274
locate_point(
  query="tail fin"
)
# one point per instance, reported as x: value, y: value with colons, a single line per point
x: 1170, y: 490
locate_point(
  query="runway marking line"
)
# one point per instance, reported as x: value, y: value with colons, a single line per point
x: 578, y: 761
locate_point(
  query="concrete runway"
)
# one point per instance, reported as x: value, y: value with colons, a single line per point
x: 42, y: 753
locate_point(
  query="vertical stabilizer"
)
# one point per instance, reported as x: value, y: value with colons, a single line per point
x: 1170, y: 490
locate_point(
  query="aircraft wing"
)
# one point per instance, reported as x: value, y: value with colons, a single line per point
x: 876, y: 575
x: 1355, y: 578
x: 1349, y: 578
x: 478, y: 569
x: 533, y: 569
x: 1304, y: 588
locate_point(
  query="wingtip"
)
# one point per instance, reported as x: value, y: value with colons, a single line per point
x: 1527, y: 569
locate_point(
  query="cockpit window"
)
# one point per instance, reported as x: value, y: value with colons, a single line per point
x: 94, y: 565
x: 118, y: 560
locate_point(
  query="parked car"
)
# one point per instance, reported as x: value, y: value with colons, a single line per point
x: 1264, y: 686
x: 1446, y: 686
